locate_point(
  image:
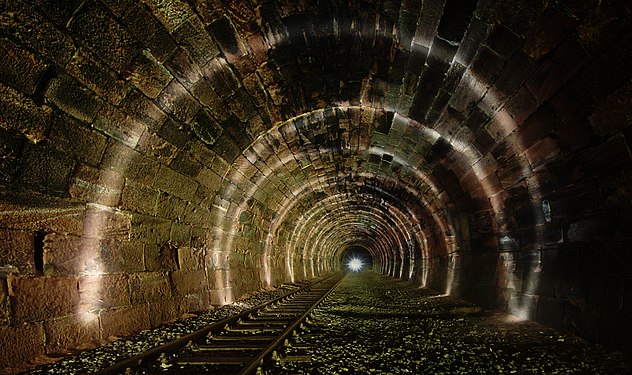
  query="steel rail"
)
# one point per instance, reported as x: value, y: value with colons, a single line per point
x: 152, y: 354
x: 260, y: 358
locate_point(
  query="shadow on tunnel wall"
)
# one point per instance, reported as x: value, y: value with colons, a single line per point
x: 144, y: 156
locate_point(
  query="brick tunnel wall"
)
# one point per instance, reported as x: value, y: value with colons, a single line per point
x: 107, y: 190
x: 158, y: 158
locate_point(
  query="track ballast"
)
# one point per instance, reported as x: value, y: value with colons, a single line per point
x: 239, y: 344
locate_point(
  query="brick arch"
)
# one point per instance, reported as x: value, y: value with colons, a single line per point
x: 146, y: 111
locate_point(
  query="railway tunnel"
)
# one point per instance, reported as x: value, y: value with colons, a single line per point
x: 159, y: 158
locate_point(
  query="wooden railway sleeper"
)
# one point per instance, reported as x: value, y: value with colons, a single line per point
x: 264, y: 324
x: 254, y: 330
x: 244, y: 338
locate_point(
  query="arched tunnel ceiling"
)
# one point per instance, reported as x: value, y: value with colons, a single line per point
x: 356, y: 107
x: 321, y: 174
x: 406, y: 107
x: 159, y: 157
x: 406, y: 124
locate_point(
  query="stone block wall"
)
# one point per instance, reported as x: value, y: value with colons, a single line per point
x: 107, y: 188
x: 554, y: 144
x: 163, y: 157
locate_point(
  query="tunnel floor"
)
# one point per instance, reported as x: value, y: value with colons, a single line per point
x: 375, y: 324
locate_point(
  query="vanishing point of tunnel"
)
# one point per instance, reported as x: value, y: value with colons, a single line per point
x: 164, y: 157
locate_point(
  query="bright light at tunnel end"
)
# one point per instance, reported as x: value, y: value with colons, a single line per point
x: 355, y: 265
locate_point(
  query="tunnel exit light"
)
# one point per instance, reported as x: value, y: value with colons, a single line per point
x: 355, y: 265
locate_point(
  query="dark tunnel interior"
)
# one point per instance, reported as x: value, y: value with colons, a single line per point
x: 163, y: 157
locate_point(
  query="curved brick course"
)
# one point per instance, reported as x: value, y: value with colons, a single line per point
x: 187, y: 153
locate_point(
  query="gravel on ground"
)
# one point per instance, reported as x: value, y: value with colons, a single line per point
x: 90, y: 361
x: 373, y: 324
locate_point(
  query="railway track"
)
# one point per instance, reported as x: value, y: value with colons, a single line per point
x: 239, y: 344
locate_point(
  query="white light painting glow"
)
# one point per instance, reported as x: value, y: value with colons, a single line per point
x: 355, y: 265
